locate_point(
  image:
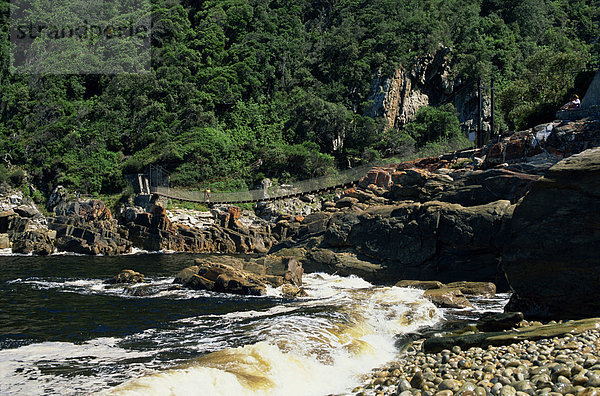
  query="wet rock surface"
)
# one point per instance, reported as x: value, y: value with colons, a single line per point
x: 246, y: 276
x: 221, y: 278
x: 126, y: 276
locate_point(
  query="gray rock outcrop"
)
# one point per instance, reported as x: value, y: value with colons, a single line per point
x: 87, y: 227
x: 552, y: 259
x: 430, y: 241
x: 154, y: 231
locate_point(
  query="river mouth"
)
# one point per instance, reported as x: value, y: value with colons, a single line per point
x: 63, y: 331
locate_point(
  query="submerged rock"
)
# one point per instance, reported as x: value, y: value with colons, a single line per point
x: 126, y: 276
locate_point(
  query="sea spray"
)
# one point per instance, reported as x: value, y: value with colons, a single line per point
x: 304, y: 348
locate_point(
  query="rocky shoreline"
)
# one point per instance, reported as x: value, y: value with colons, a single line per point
x: 520, y: 214
x: 564, y: 364
x: 514, y: 213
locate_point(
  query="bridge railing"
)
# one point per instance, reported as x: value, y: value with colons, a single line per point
x: 298, y: 188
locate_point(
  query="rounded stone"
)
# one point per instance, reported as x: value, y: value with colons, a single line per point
x: 563, y: 388
x: 404, y: 385
x: 446, y: 392
x: 562, y: 379
x: 480, y: 391
x: 523, y: 386
x: 417, y: 380
x: 464, y: 364
x: 589, y: 392
x: 497, y: 388
x: 468, y: 386
x: 508, y: 390
x: 593, y: 380
x: 449, y: 384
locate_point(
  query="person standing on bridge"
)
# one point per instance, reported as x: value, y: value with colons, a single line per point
x: 207, y: 195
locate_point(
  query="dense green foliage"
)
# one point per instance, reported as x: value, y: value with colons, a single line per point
x: 285, y: 81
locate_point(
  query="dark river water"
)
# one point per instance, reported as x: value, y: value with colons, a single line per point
x: 64, y: 331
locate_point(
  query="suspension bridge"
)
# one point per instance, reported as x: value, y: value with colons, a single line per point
x: 158, y: 183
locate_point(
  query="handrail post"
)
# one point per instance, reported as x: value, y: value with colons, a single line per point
x: 478, y: 137
x: 493, y: 120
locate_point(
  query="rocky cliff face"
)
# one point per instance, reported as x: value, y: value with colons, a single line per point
x: 397, y: 98
x: 22, y: 227
x: 552, y: 261
x: 87, y: 227
x: 153, y: 230
x: 435, y: 240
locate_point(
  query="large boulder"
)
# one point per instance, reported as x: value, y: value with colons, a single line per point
x: 447, y: 298
x: 492, y: 321
x: 552, y: 259
x: 221, y: 278
x: 154, y: 231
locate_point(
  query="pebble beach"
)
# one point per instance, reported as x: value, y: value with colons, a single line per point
x: 565, y: 365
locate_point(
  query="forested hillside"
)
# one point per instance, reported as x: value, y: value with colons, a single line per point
x: 285, y: 81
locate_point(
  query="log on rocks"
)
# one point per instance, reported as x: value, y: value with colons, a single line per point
x: 532, y: 333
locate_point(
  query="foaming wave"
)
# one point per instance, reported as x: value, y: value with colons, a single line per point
x: 318, y: 346
x: 9, y: 252
x: 36, y: 368
x: 153, y: 288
